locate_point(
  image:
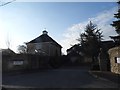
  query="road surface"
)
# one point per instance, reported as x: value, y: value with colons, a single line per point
x: 58, y: 78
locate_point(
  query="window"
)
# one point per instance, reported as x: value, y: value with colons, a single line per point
x: 117, y: 59
x: 18, y: 62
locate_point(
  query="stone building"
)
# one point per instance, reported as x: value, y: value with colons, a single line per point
x: 44, y: 45
x: 114, y: 55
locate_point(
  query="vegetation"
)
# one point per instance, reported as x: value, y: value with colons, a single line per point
x: 22, y: 49
x: 116, y: 24
x: 90, y: 40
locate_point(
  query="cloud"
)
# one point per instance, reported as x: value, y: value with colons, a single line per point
x: 103, y: 21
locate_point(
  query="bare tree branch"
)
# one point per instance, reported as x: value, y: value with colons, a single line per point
x: 8, y: 42
x: 5, y: 3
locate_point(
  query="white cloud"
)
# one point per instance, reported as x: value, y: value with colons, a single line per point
x: 103, y: 21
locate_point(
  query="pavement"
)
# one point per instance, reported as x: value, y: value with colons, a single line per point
x: 106, y: 75
x: 69, y: 77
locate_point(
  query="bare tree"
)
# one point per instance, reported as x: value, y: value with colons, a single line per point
x: 22, y: 49
x: 3, y: 3
x: 8, y: 42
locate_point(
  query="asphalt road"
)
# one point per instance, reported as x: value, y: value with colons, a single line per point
x: 58, y: 78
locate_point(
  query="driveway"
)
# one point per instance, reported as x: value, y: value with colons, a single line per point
x: 76, y: 77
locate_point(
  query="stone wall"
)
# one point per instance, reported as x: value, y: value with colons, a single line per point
x: 114, y: 53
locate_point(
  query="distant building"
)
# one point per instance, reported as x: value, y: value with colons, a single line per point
x: 75, y: 50
x: 106, y: 45
x: 44, y: 45
x: 75, y: 54
x: 116, y: 39
x: 7, y: 52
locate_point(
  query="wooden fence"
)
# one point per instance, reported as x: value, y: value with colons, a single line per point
x: 25, y: 62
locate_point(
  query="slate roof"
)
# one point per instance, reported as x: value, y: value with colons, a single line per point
x: 44, y: 38
x: 107, y: 44
x: 113, y: 37
x: 7, y: 51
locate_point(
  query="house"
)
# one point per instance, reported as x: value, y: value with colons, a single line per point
x: 44, y: 45
x: 116, y: 39
x: 7, y: 52
x: 75, y: 54
x: 106, y: 45
x: 75, y: 50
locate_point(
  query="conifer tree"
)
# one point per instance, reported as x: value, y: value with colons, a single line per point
x: 91, y: 40
x: 116, y: 24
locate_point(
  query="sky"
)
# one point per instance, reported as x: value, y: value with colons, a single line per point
x: 24, y: 21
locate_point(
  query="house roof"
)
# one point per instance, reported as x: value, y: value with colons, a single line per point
x: 7, y: 51
x: 44, y: 38
x: 114, y: 37
x: 107, y: 44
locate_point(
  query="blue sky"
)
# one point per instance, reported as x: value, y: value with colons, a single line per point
x: 23, y: 21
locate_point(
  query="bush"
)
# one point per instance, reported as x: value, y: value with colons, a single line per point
x: 95, y: 67
x: 55, y: 62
